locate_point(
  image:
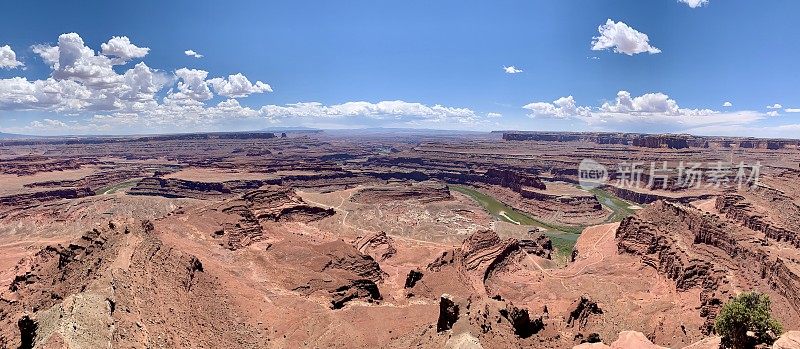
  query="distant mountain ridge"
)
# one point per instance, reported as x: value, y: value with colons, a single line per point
x: 13, y: 136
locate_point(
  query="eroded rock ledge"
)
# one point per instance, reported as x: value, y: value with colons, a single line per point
x: 700, y: 251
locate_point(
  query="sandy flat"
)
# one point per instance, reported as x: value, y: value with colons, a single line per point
x: 10, y: 183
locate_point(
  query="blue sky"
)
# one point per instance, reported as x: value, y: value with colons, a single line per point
x: 432, y: 64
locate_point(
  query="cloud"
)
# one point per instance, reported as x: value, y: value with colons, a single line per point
x: 48, y: 123
x: 727, y: 104
x: 695, y: 3
x: 773, y: 113
x: 48, y: 54
x: 142, y: 83
x: 72, y: 60
x: 238, y: 86
x: 121, y: 50
x: 192, y: 53
x: 83, y: 80
x: 781, y: 131
x: 192, y: 88
x: 792, y: 110
x: 52, y: 126
x: 8, y: 59
x: 561, y: 108
x: 90, y: 94
x: 775, y: 106
x: 380, y: 110
x: 622, y: 39
x: 18, y: 93
x: 641, y: 113
x: 650, y: 103
x: 494, y: 115
x: 512, y: 70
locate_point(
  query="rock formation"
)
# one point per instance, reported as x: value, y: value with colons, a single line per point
x: 481, y: 255
x: 27, y: 200
x: 581, y: 312
x: 268, y: 204
x: 448, y: 313
x: 540, y: 246
x: 669, y: 141
x: 697, y: 250
x: 378, y: 245
x: 428, y: 191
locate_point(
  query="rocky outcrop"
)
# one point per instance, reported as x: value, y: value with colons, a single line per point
x: 96, y: 180
x: 57, y: 271
x: 343, y: 258
x: 356, y: 289
x: 425, y: 192
x: 626, y: 340
x: 488, y: 318
x: 524, y: 326
x: 106, y: 285
x: 634, y: 196
x: 771, y: 144
x: 788, y: 340
x: 635, y: 139
x: 541, y: 246
x: 412, y: 278
x: 661, y: 141
x: 242, y: 233
x: 480, y: 256
x: 172, y: 295
x: 178, y: 188
x: 484, y: 252
x: 736, y: 207
x: 278, y: 204
x: 378, y: 245
x: 268, y: 204
x: 30, y: 165
x: 581, y: 311
x: 342, y: 272
x: 514, y: 180
x: 669, y: 141
x: 543, y: 137
x: 27, y: 200
x: 649, y: 197
x: 448, y: 313
x: 697, y: 250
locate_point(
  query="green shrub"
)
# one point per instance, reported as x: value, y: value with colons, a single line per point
x: 747, y: 312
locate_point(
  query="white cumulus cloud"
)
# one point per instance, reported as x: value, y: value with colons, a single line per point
x: 694, y: 3
x: 649, y: 103
x: 727, y: 104
x: 622, y: 39
x: 192, y: 87
x: 18, y: 93
x: 561, y: 108
x: 192, y: 53
x: 792, y: 110
x: 87, y: 95
x: 640, y: 113
x: 122, y: 51
x: 380, y: 110
x: 48, y: 123
x: 237, y: 86
x: 775, y: 106
x: 512, y: 70
x: 8, y: 59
